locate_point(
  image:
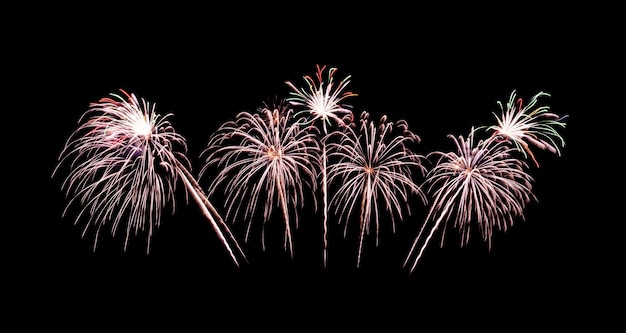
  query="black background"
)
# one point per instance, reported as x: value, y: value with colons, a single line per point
x: 440, y: 68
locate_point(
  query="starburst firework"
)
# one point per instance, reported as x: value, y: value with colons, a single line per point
x: 125, y: 162
x: 527, y: 124
x: 374, y: 170
x: 322, y: 101
x: 264, y: 159
x: 482, y: 183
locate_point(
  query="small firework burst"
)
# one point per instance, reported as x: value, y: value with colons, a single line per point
x: 529, y: 124
x: 125, y: 162
x: 321, y: 100
x: 374, y: 170
x: 265, y: 160
x: 480, y: 183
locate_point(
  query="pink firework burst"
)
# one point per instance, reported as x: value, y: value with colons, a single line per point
x: 480, y: 183
x: 125, y: 162
x: 374, y: 170
x: 265, y: 160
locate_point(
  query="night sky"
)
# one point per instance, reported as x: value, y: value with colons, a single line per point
x: 441, y: 72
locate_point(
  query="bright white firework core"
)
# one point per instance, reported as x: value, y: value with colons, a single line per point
x: 142, y: 127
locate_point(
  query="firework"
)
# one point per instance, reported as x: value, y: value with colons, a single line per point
x: 125, y: 162
x: 264, y: 159
x: 322, y: 101
x: 480, y: 183
x: 529, y: 124
x: 374, y: 169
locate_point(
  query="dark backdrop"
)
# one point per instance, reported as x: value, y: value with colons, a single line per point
x: 442, y: 69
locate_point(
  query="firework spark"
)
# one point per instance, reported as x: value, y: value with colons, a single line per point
x: 125, y: 162
x: 374, y: 169
x: 479, y: 183
x: 322, y: 100
x: 264, y: 156
x: 524, y: 125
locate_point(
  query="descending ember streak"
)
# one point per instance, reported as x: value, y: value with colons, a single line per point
x: 265, y: 160
x: 125, y: 162
x: 321, y: 100
x: 374, y: 172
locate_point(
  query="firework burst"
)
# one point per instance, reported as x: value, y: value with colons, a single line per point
x: 525, y: 125
x: 264, y: 159
x: 375, y: 172
x: 322, y: 101
x: 125, y: 162
x: 481, y: 182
